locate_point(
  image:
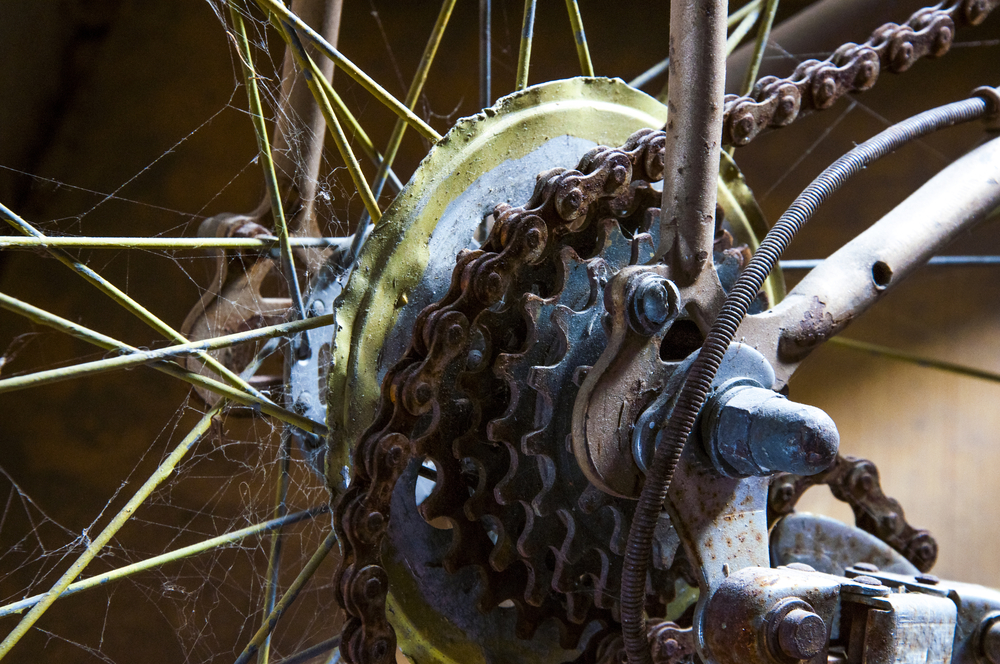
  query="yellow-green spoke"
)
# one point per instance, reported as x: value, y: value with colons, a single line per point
x: 166, y: 558
x: 135, y: 357
x: 351, y: 69
x: 127, y: 302
x: 524, y: 52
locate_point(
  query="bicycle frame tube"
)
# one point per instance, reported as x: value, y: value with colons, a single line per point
x: 859, y: 274
x: 694, y: 127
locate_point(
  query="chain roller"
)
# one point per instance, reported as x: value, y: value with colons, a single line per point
x: 433, y: 399
x: 816, y: 85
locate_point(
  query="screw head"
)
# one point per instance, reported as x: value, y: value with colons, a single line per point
x: 867, y: 580
x: 801, y: 634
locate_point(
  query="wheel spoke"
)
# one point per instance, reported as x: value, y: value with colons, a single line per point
x: 413, y: 94
x: 309, y: 653
x: 580, y: 37
x: 367, y: 146
x: 264, y: 148
x: 315, y: 79
x: 763, y: 35
x: 162, y: 473
x: 265, y: 405
x: 351, y: 69
x: 260, y: 242
x: 166, y: 558
x: 741, y: 31
x: 485, y: 53
x: 127, y: 302
x: 288, y: 598
x: 914, y: 358
x: 734, y: 19
x: 742, y: 13
x: 274, y: 555
x: 524, y: 52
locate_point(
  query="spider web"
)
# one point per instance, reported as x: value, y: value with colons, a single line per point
x: 73, y: 453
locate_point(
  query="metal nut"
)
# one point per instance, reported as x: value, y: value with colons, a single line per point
x: 753, y: 431
x: 801, y: 634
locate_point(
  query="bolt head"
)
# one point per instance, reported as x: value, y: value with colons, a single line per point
x: 801, y: 634
x: 653, y: 302
x: 656, y: 303
x: 867, y: 580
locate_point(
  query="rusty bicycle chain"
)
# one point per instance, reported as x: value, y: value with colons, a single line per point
x: 816, y: 85
x: 669, y: 643
x: 425, y: 410
x: 856, y: 482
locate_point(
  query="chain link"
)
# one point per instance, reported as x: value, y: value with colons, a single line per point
x: 425, y: 409
x: 856, y: 482
x: 816, y: 85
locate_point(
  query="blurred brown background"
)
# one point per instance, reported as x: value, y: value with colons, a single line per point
x: 120, y: 117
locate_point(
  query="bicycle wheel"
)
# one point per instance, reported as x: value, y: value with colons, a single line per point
x: 64, y: 470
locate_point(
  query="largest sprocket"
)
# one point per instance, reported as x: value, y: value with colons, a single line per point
x: 484, y: 394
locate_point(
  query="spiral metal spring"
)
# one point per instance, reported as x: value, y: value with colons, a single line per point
x: 699, y: 379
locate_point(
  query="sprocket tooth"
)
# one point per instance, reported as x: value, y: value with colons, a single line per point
x: 535, y: 556
x: 522, y: 480
x: 643, y: 249
x: 578, y: 606
x: 529, y: 618
x: 563, y: 578
x: 492, y: 465
x: 513, y: 368
x: 470, y: 546
x: 603, y: 647
x: 570, y: 633
x: 504, y: 551
x: 576, y: 561
x: 548, y: 475
x: 498, y: 587
x: 450, y: 491
x: 578, y: 288
x: 552, y: 382
x: 612, y: 245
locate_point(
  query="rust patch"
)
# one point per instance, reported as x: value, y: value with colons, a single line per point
x: 816, y: 326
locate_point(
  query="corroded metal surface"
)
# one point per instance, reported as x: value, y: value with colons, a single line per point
x: 567, y: 545
x: 444, y: 402
x: 816, y: 85
x: 856, y: 482
x: 396, y: 276
x: 831, y: 546
x: 864, y: 270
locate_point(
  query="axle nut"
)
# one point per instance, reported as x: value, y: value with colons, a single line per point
x: 801, y: 634
x: 752, y: 431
